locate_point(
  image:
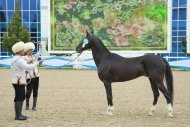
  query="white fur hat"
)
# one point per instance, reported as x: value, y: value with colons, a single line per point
x: 28, y: 46
x: 18, y: 47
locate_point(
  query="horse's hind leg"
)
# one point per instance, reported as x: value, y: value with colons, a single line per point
x: 156, y: 96
x: 166, y: 94
x: 108, y: 88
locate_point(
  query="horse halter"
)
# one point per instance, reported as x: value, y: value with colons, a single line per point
x: 86, y: 41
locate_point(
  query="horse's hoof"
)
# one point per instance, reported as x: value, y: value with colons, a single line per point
x: 109, y: 113
x: 170, y: 115
x: 111, y: 108
x: 150, y: 114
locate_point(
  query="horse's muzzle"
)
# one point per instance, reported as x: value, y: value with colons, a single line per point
x: 79, y: 50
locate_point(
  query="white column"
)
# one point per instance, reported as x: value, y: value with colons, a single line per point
x: 188, y: 26
x: 169, y: 36
x: 45, y: 21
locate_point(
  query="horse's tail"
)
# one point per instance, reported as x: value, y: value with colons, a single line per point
x: 169, y: 80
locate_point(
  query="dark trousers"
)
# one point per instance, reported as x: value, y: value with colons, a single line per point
x: 32, y: 86
x: 19, y: 92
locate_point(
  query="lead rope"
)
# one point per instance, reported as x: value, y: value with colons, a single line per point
x: 69, y: 61
x: 29, y: 73
x: 30, y: 77
x: 72, y: 60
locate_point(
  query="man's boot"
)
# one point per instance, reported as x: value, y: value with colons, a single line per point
x: 34, y: 103
x: 27, y: 104
x: 18, y: 115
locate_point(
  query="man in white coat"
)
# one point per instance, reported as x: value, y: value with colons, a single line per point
x: 19, y: 67
x: 32, y: 75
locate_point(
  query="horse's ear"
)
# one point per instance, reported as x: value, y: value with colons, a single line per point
x: 87, y: 33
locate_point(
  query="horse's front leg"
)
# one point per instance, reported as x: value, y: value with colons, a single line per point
x: 108, y: 88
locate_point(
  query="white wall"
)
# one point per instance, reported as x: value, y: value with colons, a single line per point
x: 188, y: 26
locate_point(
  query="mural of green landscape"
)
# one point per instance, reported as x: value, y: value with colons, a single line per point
x: 120, y: 24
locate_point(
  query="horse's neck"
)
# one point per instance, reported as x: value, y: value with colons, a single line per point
x: 99, y: 52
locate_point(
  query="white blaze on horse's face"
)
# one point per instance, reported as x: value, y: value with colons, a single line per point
x: 85, y: 42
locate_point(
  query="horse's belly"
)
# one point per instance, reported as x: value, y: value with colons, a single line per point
x: 124, y: 74
x: 123, y: 79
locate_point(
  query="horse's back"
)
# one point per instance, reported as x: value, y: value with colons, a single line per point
x: 123, y: 69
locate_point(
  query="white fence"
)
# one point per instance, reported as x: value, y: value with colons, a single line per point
x: 85, y: 61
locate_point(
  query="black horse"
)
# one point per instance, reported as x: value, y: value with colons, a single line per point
x: 114, y: 68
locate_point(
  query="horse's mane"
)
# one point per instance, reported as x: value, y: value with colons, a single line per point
x: 96, y: 39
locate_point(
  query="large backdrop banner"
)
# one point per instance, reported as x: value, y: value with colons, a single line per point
x: 120, y: 24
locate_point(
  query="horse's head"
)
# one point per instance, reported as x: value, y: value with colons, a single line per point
x: 85, y: 43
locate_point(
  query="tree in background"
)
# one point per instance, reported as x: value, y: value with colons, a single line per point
x: 184, y: 43
x: 16, y: 32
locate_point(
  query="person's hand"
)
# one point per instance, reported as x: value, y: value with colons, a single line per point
x: 40, y: 44
x: 40, y: 62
